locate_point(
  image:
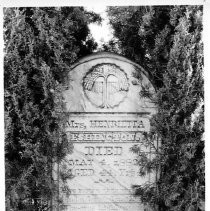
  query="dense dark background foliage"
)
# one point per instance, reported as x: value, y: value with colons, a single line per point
x: 167, y: 42
x: 40, y: 46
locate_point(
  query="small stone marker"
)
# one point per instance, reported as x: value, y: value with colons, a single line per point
x: 107, y: 117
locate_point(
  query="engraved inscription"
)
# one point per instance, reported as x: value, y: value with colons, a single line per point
x: 103, y: 150
x: 105, y: 136
x: 109, y: 122
x: 102, y: 164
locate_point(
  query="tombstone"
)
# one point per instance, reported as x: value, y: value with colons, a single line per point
x: 106, y: 117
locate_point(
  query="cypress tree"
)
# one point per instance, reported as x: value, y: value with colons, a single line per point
x: 170, y: 47
x: 40, y: 45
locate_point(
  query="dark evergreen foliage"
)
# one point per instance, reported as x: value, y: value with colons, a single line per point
x: 167, y: 42
x: 40, y: 46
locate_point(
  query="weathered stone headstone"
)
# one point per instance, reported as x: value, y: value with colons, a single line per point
x: 106, y: 118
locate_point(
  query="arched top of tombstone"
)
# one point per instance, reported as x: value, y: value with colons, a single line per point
x: 111, y: 55
x: 107, y: 82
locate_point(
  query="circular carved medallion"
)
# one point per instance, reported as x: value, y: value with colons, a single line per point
x: 106, y: 85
